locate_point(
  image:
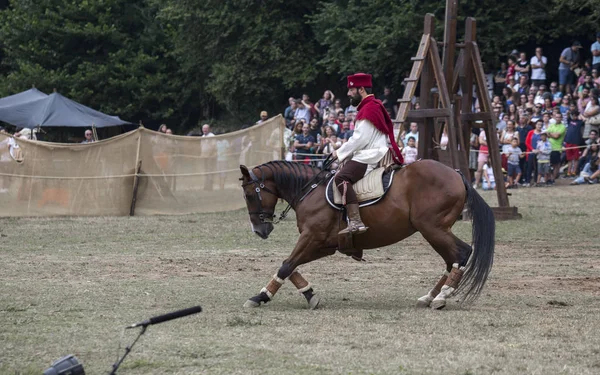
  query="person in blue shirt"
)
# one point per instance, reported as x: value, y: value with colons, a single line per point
x: 304, y: 143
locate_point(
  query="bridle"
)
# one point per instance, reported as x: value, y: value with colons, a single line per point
x: 264, y: 216
x: 269, y: 217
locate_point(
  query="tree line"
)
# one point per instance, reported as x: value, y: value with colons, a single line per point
x: 185, y: 61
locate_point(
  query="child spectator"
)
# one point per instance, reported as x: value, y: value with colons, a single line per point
x: 410, y: 151
x: 514, y: 154
x: 489, y: 181
x: 542, y: 151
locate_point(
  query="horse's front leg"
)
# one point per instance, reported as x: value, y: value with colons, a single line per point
x: 305, y: 251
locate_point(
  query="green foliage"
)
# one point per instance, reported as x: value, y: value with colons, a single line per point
x: 181, y: 61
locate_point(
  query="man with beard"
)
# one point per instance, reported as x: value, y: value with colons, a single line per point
x: 373, y: 136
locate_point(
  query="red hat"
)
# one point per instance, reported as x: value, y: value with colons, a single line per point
x: 359, y: 80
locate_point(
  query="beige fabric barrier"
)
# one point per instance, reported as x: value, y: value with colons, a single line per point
x: 178, y: 175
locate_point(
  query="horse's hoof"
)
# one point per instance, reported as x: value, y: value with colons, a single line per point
x: 422, y: 303
x: 438, y: 304
x: 314, y: 302
x: 251, y: 304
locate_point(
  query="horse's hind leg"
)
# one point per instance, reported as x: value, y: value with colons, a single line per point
x: 455, y: 253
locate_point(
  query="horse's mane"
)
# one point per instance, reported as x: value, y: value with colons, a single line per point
x: 290, y: 177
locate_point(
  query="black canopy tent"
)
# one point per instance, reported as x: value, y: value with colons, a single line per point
x: 55, y: 110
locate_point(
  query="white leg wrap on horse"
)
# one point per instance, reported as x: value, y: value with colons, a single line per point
x: 306, y: 288
x: 269, y: 294
x: 425, y: 301
x: 277, y: 279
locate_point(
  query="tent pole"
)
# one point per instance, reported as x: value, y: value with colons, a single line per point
x: 95, y: 133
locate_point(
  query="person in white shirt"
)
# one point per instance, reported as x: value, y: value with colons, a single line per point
x: 538, y: 68
x: 373, y: 135
x: 410, y: 151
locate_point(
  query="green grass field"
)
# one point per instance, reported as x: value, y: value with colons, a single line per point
x: 70, y: 285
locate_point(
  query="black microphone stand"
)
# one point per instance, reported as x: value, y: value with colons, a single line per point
x: 127, y: 350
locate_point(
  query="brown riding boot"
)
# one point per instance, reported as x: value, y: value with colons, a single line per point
x: 355, y: 224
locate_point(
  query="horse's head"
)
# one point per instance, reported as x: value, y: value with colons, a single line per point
x: 260, y: 199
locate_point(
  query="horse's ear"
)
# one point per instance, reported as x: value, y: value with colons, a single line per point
x: 244, y: 170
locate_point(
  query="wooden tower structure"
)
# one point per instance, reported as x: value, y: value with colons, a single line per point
x: 448, y: 86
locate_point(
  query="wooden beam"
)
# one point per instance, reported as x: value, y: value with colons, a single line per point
x: 425, y: 145
x: 449, y: 41
x: 485, y: 105
x: 479, y: 116
x: 419, y: 114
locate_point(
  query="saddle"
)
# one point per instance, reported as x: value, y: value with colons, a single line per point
x: 369, y: 190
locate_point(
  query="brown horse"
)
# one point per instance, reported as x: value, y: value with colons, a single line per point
x: 425, y: 196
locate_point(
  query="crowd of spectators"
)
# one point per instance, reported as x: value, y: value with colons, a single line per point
x: 545, y: 131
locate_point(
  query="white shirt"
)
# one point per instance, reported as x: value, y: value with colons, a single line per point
x: 538, y: 73
x: 367, y: 145
x: 410, y: 154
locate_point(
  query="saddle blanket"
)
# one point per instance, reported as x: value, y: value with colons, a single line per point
x: 369, y: 190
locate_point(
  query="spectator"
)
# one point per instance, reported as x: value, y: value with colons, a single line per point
x: 302, y: 111
x: 169, y: 131
x: 522, y: 68
x: 512, y: 83
x: 569, y: 61
x: 591, y: 116
x: 556, y: 133
x: 507, y: 136
x: 489, y: 181
x: 88, y: 136
x: 538, y: 67
x: 589, y: 172
x: 514, y: 155
x: 596, y: 78
x: 542, y: 151
x: 345, y: 133
x: 572, y: 140
x: 540, y: 96
x: 263, y: 117
x: 162, y: 128
x: 588, y: 82
x: 389, y: 102
x: 311, y: 107
x: 325, y: 105
x: 584, y: 99
x: 482, y: 158
x: 523, y: 130
x: 414, y: 132
x: 206, y: 131
x: 500, y: 78
x: 564, y: 105
x: 410, y: 151
x: 315, y: 129
x: 303, y: 144
x: 337, y: 106
x: 522, y: 87
x: 329, y: 141
x: 290, y: 111
x: 512, y: 64
x: 596, y: 53
x: 556, y: 95
x: 531, y: 142
x: 332, y: 121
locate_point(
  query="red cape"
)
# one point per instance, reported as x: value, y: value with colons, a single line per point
x: 372, y: 109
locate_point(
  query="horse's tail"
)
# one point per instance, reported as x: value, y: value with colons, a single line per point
x: 484, y: 236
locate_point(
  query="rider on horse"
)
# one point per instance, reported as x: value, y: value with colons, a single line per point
x: 373, y: 136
